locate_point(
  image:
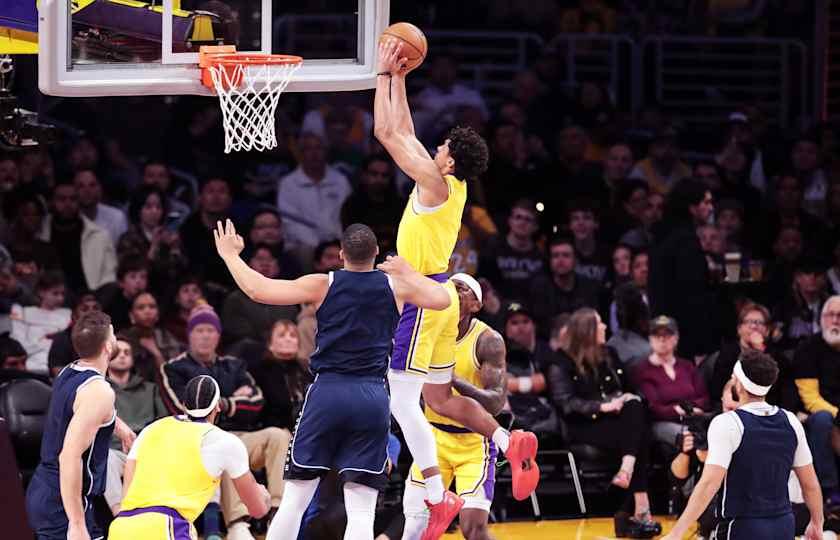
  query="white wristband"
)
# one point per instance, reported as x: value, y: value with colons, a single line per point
x: 525, y: 384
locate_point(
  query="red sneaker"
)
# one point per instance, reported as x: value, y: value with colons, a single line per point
x: 441, y: 515
x: 521, y: 454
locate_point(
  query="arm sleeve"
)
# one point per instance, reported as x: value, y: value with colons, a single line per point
x: 725, y: 434
x: 564, y: 398
x: 802, y: 456
x: 809, y: 392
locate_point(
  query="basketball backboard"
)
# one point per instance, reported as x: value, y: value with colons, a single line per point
x: 150, y: 47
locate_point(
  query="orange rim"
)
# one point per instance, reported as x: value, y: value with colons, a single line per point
x: 254, y: 59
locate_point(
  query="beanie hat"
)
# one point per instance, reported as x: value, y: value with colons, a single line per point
x: 203, y: 313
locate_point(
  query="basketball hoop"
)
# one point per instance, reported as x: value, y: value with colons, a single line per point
x: 249, y: 88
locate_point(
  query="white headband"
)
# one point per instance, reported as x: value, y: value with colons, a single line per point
x: 201, y: 413
x: 470, y: 282
x: 751, y: 387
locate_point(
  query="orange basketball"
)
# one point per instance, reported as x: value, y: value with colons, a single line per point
x: 414, y: 42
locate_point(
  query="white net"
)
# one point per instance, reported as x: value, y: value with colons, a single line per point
x: 248, y: 95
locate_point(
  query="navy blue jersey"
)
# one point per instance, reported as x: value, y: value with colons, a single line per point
x: 356, y: 324
x: 756, y: 484
x: 95, y: 458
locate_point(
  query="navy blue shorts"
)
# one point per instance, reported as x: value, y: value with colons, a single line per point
x: 343, y: 426
x: 770, y: 528
x: 46, y: 511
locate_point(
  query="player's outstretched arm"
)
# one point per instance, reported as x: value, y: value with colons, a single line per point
x: 490, y: 352
x: 306, y: 289
x: 393, y: 127
x: 94, y: 403
x: 413, y: 287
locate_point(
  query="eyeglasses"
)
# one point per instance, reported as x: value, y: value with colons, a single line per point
x: 754, y: 322
x: 831, y: 315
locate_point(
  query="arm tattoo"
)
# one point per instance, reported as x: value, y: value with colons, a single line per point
x: 490, y: 352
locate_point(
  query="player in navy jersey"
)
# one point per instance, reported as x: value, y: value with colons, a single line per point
x: 345, y: 418
x: 752, y: 451
x: 74, y: 448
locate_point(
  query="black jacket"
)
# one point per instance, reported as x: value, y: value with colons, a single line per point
x: 284, y: 385
x: 579, y: 397
x: 239, y: 413
x: 679, y: 286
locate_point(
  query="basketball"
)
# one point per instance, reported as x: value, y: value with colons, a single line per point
x: 414, y: 42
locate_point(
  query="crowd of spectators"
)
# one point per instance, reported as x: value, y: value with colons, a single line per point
x: 625, y: 277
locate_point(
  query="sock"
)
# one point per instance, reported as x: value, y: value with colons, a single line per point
x: 502, y: 439
x: 434, y: 488
x: 211, y: 519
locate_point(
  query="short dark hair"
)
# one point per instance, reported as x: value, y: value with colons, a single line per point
x: 202, y: 183
x: 561, y: 240
x: 322, y: 247
x: 10, y: 347
x: 759, y: 367
x: 131, y: 263
x: 630, y: 186
x: 581, y: 205
x: 90, y: 333
x: 60, y: 183
x: 469, y: 151
x: 49, y: 279
x: 524, y: 204
x: 358, y: 243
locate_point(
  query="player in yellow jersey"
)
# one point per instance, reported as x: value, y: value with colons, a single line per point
x: 175, y: 466
x: 424, y: 343
x: 467, y: 457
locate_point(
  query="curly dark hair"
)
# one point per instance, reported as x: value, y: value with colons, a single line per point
x: 469, y: 151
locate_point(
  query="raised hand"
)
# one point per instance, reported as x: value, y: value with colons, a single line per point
x: 390, y: 60
x: 228, y: 243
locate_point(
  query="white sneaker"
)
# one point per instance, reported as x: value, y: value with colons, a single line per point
x: 240, y: 531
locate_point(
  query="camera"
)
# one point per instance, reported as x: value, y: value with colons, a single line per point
x: 697, y: 425
x: 19, y: 128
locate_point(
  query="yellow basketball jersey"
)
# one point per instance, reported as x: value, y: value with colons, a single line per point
x: 426, y: 239
x: 466, y: 366
x: 169, y: 469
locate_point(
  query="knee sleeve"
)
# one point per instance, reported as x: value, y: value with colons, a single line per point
x: 360, y: 503
x: 405, y: 406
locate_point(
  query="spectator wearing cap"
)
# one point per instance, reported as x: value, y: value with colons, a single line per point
x: 248, y: 320
x: 241, y: 404
x: 561, y: 290
x: 673, y: 387
x: 311, y: 196
x: 35, y: 326
x: 662, y: 168
x: 214, y: 202
x: 798, y: 315
x: 527, y: 357
x: 61, y: 350
x: 512, y: 261
x: 816, y: 369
